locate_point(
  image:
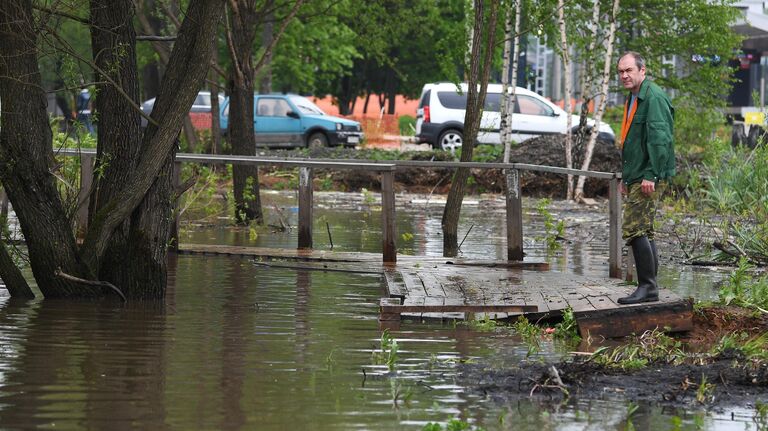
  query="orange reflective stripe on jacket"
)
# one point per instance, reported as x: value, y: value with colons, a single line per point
x: 627, y: 121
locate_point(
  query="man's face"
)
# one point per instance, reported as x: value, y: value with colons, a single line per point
x: 631, y: 77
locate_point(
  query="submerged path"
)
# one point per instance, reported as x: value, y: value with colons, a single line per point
x: 427, y: 287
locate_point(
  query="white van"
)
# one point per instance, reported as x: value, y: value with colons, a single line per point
x: 440, y: 116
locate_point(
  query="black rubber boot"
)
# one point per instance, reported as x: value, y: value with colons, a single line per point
x: 655, y: 258
x: 645, y: 263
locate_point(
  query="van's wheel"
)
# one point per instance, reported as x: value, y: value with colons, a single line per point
x: 317, y: 140
x: 450, y: 140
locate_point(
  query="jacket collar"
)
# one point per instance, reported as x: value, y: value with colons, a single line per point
x: 644, y: 87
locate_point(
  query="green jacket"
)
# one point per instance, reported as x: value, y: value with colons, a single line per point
x: 649, y: 151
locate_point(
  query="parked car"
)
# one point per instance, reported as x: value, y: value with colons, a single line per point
x: 440, y: 116
x: 200, y: 112
x: 290, y: 120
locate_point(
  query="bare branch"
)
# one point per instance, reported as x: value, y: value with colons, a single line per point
x: 64, y: 276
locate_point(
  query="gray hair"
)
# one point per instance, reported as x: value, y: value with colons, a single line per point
x: 639, y: 60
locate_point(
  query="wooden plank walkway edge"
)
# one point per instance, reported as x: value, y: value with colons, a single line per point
x: 391, y: 308
x: 674, y: 316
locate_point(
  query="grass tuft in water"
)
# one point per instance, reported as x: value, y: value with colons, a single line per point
x: 650, y: 347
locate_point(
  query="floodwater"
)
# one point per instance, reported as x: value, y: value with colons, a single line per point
x: 237, y: 346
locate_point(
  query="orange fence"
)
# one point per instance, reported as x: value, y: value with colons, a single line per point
x: 379, y: 131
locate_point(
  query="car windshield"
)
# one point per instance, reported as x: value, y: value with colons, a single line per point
x: 306, y: 106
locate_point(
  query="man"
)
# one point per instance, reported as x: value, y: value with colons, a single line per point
x: 83, y: 105
x: 648, y: 161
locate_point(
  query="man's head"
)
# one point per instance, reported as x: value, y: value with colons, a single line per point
x: 631, y: 71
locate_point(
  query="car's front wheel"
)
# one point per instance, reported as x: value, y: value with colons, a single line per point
x: 317, y: 140
x: 450, y: 140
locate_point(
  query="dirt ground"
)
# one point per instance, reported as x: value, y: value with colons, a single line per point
x: 725, y: 385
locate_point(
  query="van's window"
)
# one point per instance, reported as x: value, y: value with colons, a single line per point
x: 453, y: 100
x: 425, y: 99
x: 530, y: 106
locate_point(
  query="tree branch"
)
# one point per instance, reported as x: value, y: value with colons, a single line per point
x: 277, y: 37
x: 63, y: 275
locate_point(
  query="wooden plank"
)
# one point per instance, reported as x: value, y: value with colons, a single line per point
x: 395, y: 284
x: 465, y: 308
x: 577, y: 301
x: 388, y: 316
x: 614, y: 228
x: 623, y: 321
x: 433, y: 285
x: 514, y: 215
x: 533, y: 266
x: 601, y: 302
x: 305, y: 207
x: 413, y: 284
x: 173, y: 237
x: 389, y: 229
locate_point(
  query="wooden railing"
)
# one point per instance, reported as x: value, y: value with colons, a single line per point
x: 387, y: 169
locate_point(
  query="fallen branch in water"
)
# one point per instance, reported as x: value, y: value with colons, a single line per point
x: 61, y: 274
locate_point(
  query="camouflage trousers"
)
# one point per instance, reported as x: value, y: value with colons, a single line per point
x: 639, y: 212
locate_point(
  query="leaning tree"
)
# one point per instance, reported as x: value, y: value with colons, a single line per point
x: 130, y: 213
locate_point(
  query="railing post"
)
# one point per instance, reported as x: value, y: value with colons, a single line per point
x: 175, y: 186
x: 614, y: 228
x: 83, y: 196
x: 514, y: 215
x: 305, y: 207
x: 388, y: 215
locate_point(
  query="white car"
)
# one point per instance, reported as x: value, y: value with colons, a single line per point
x: 440, y: 116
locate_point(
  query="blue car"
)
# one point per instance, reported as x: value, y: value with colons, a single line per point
x: 290, y: 120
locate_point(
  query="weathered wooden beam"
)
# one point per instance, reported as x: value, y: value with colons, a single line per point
x: 305, y: 207
x: 514, y: 205
x: 614, y: 228
x: 390, y: 306
x: 674, y: 316
x: 388, y: 215
x: 173, y: 244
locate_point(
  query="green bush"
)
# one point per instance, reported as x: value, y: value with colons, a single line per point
x: 407, y: 125
x: 695, y: 127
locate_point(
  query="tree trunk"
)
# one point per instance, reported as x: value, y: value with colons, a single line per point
x: 124, y: 209
x: 511, y: 47
x: 267, y: 35
x: 564, y: 52
x: 242, y: 136
x: 480, y: 69
x: 26, y: 158
x: 587, y: 81
x: 244, y: 20
x: 600, y: 109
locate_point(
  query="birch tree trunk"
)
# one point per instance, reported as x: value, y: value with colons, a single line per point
x: 507, y: 112
x: 587, y: 77
x: 579, y: 193
x: 480, y: 69
x: 564, y: 53
x: 507, y: 97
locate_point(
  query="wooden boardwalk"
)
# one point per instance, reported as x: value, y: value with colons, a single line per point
x: 420, y: 287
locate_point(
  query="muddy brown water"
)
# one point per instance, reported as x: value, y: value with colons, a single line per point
x: 238, y: 346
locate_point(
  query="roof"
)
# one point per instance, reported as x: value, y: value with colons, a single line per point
x: 753, y: 25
